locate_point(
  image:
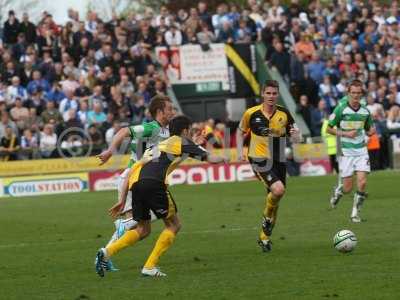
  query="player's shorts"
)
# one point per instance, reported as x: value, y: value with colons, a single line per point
x: 268, y: 171
x: 128, y: 202
x: 152, y: 195
x: 350, y: 164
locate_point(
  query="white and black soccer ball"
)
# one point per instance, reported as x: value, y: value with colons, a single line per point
x: 345, y: 241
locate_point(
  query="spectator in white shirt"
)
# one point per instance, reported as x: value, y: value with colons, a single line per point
x: 83, y: 112
x: 48, y: 141
x: 393, y: 119
x: 112, y: 131
x: 16, y: 90
x: 173, y: 36
x: 67, y: 103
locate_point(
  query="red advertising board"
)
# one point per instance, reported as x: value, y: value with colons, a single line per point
x: 209, y: 173
x: 103, y: 180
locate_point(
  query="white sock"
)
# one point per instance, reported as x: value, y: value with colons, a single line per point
x: 113, y: 238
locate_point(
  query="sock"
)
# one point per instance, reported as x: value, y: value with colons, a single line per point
x: 163, y: 243
x: 128, y: 239
x: 271, y: 207
x: 359, y: 198
x: 263, y: 236
x: 339, y: 191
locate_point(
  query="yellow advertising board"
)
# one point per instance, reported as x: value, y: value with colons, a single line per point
x: 78, y: 164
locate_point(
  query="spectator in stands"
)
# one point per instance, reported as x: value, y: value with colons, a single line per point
x: 205, y: 36
x: 51, y: 113
x: 126, y: 87
x: 67, y: 103
x: 11, y: 28
x: 19, y: 113
x: 95, y: 140
x: 242, y: 32
x: 38, y: 83
x: 112, y: 131
x: 316, y: 69
x: 304, y: 109
x: 219, y: 18
x: 28, y: 146
x: 9, y: 145
x: 318, y: 115
x: 280, y: 59
x: 16, y: 90
x: 96, y: 116
x: 393, y: 119
x: 83, y: 112
x: 226, y: 33
x: 328, y: 92
x: 28, y: 29
x: 6, y: 122
x: 305, y: 45
x: 173, y: 36
x: 48, y: 142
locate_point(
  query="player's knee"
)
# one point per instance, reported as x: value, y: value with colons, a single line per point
x: 278, y: 191
x: 174, y: 225
x: 144, y: 231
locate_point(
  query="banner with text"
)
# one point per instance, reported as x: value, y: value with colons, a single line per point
x: 44, y: 185
x: 191, y: 64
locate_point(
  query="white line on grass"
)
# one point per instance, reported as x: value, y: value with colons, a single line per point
x: 21, y: 245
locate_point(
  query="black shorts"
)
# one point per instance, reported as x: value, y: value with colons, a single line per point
x: 268, y: 171
x: 148, y: 194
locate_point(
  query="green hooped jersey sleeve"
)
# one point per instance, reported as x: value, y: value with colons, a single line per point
x: 145, y: 135
x: 144, y: 130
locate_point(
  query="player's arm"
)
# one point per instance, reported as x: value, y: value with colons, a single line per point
x: 197, y: 152
x: 333, y: 124
x: 369, y: 126
x: 241, y: 131
x: 138, y: 131
x: 292, y: 129
x: 115, y: 143
x: 117, y: 208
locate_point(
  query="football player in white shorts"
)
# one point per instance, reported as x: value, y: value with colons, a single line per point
x: 351, y: 121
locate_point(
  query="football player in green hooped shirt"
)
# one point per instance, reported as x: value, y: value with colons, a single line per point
x: 151, y: 134
x: 351, y: 121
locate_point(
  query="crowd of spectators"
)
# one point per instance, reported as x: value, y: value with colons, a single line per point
x: 320, y: 48
x: 99, y: 76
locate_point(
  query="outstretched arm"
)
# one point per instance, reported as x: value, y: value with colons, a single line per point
x: 116, y: 142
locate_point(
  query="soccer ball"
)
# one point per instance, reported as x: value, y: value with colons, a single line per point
x: 344, y: 241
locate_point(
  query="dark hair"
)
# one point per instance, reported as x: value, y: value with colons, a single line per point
x: 356, y: 83
x: 157, y: 103
x: 178, y: 124
x: 270, y: 83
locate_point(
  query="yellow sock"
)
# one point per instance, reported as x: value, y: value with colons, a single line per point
x: 271, y: 205
x: 129, y: 238
x: 165, y: 240
x: 263, y: 236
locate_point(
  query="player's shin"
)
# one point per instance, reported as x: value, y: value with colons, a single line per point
x: 129, y: 238
x: 164, y: 241
x: 270, y: 214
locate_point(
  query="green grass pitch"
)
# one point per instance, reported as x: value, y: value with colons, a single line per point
x: 48, y: 244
